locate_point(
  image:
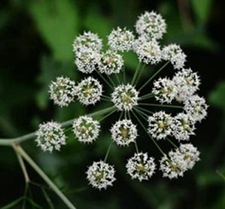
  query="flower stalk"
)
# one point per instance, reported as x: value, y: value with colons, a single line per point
x: 20, y: 151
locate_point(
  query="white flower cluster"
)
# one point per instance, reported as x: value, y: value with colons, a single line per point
x: 125, y: 97
x: 101, y: 175
x: 124, y: 132
x: 62, y: 91
x: 86, y: 129
x: 140, y: 166
x: 177, y: 162
x: 149, y: 109
x: 50, y: 136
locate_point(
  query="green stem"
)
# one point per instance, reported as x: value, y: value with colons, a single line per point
x: 110, y: 113
x: 135, y: 74
x: 144, y: 111
x: 147, y: 131
x: 136, y: 146
x: 171, y: 142
x: 103, y: 78
x: 107, y: 153
x: 146, y: 96
x: 10, y: 142
x: 220, y: 174
x: 21, y: 152
x: 139, y: 76
x: 156, y: 73
x: 22, y: 165
x: 161, y: 105
x: 25, y: 194
x: 124, y: 75
x: 118, y: 79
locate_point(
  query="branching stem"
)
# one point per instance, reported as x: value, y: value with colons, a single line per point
x: 19, y: 150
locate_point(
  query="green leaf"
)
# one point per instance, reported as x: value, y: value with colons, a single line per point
x: 97, y: 23
x: 201, y: 9
x: 57, y: 22
x: 217, y: 96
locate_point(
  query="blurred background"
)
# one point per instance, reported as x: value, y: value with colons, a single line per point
x: 36, y: 39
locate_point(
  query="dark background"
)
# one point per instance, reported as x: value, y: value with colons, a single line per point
x: 36, y: 46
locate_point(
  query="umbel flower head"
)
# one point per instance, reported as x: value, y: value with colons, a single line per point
x: 140, y: 166
x: 50, y: 136
x: 62, y: 91
x: 168, y: 109
x: 86, y: 129
x: 101, y: 175
x: 124, y: 132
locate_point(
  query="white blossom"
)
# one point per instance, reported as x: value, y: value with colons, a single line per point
x: 140, y: 166
x: 101, y: 175
x: 196, y: 107
x: 120, y: 39
x: 124, y: 132
x: 110, y: 62
x: 89, y: 91
x: 50, y: 136
x: 187, y: 83
x: 151, y: 24
x: 175, y: 55
x: 86, y: 129
x: 87, y: 40
x: 179, y: 161
x: 62, y: 91
x: 125, y: 97
x: 164, y: 90
x: 87, y: 60
x: 183, y: 126
x: 160, y: 125
x: 190, y: 154
x: 148, y: 51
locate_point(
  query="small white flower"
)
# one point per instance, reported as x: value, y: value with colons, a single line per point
x: 159, y: 125
x: 87, y: 60
x: 87, y: 40
x: 164, y: 90
x: 183, y: 126
x: 151, y: 24
x: 175, y: 55
x: 125, y: 97
x: 190, y: 154
x: 62, y: 91
x: 50, y: 136
x: 101, y: 175
x: 140, y: 166
x: 110, y: 62
x: 86, y: 129
x: 89, y: 91
x: 147, y: 51
x: 196, y: 107
x: 187, y: 83
x: 124, y: 132
x: 120, y: 39
x: 172, y: 165
x: 179, y: 161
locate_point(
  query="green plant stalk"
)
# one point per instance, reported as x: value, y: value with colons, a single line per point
x: 26, y: 157
x: 153, y: 76
x: 22, y: 165
x: 10, y: 142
